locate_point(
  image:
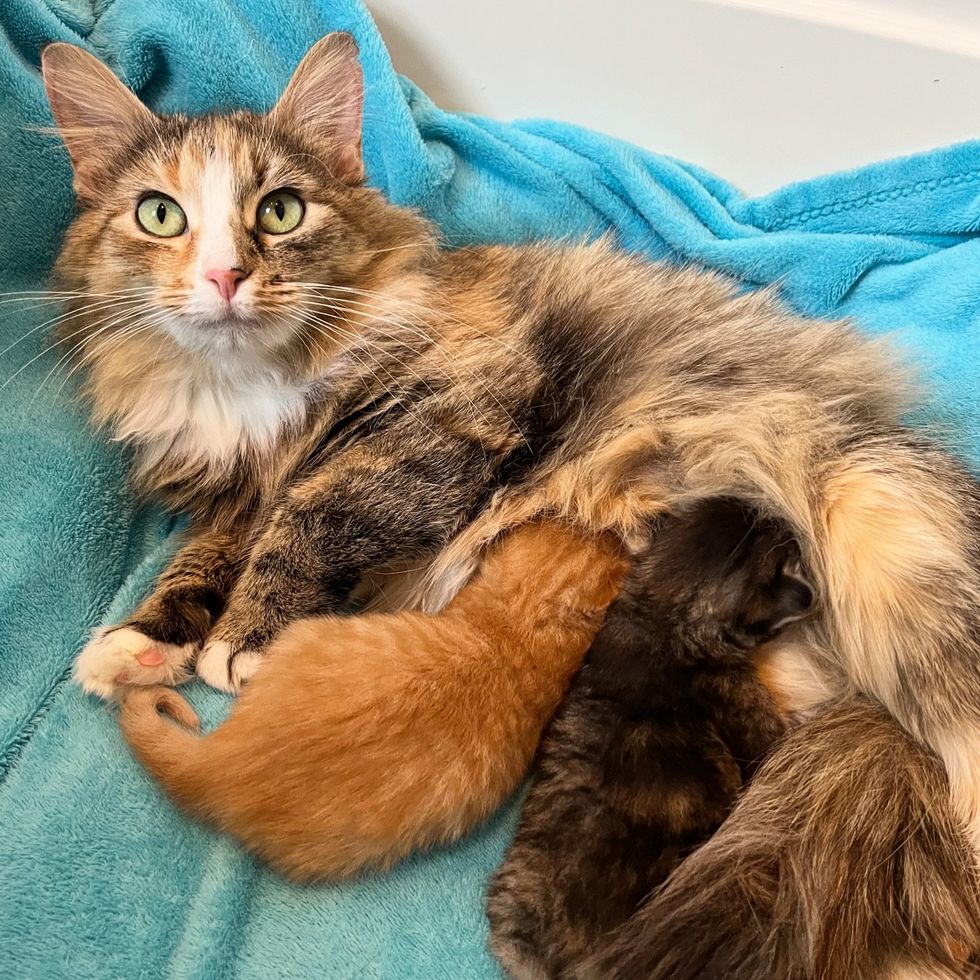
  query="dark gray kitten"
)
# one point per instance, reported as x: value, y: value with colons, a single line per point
x: 665, y: 722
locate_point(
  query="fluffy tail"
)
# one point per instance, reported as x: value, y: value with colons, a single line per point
x: 171, y: 753
x: 843, y: 861
x: 891, y: 525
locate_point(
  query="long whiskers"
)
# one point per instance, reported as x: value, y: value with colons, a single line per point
x: 94, y: 329
x: 121, y: 321
x: 57, y: 295
x: 70, y: 314
x: 423, y: 312
x: 319, y: 307
x: 357, y: 345
x: 379, y: 320
x: 113, y: 342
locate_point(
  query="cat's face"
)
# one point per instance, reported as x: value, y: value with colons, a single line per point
x: 237, y: 235
x: 726, y: 575
x: 221, y: 224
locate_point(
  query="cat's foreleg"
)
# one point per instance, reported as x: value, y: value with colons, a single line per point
x: 382, y: 501
x: 158, y: 642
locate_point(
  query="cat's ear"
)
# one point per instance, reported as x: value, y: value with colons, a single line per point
x: 324, y: 99
x: 93, y: 109
x: 788, y: 599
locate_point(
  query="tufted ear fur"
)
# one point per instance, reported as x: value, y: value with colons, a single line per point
x: 94, y: 111
x: 324, y: 99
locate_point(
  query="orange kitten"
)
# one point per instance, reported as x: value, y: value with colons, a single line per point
x: 371, y: 736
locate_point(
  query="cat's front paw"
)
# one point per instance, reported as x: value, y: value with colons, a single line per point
x: 224, y: 666
x: 118, y: 656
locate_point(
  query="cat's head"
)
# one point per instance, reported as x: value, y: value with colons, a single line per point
x: 722, y: 574
x: 244, y: 242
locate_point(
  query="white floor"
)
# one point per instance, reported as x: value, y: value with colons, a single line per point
x: 760, y: 91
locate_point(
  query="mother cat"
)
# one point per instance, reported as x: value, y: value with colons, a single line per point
x: 332, y: 397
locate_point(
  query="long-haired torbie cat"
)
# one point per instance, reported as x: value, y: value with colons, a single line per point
x: 647, y: 753
x: 333, y: 398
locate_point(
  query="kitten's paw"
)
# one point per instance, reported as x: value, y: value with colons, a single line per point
x: 117, y: 656
x: 221, y: 666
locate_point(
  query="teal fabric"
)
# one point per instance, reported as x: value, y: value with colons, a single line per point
x: 99, y: 877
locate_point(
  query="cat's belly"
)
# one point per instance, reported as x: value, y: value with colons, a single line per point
x: 792, y: 670
x: 417, y: 584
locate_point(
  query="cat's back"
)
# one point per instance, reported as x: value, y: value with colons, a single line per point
x: 602, y: 320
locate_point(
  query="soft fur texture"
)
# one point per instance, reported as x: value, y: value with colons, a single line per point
x: 775, y: 894
x: 374, y: 736
x: 418, y: 402
x: 647, y: 753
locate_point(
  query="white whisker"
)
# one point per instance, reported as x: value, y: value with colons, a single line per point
x: 366, y: 309
x: 63, y: 317
x: 377, y: 321
x: 117, y: 321
x: 325, y: 328
x: 319, y: 306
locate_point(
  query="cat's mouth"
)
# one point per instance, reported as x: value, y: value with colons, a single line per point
x: 218, y: 333
x: 233, y: 318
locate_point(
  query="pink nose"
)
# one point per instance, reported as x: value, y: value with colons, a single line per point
x: 226, y: 281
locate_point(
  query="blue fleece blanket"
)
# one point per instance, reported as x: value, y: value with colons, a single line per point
x: 99, y: 877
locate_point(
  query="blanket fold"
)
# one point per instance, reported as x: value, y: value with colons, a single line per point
x: 100, y: 877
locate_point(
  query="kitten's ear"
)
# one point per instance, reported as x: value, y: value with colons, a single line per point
x: 792, y: 596
x: 93, y: 109
x: 787, y: 598
x: 324, y: 99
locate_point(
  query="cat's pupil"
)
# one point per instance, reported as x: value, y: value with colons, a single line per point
x: 280, y: 210
x: 161, y: 212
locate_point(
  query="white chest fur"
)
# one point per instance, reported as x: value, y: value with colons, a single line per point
x: 213, y: 414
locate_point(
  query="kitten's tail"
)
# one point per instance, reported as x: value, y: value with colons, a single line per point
x: 171, y: 753
x: 843, y: 861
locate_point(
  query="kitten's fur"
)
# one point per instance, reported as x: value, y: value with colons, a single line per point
x: 343, y: 757
x: 775, y: 893
x: 649, y: 749
x: 416, y: 402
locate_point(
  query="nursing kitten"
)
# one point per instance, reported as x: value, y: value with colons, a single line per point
x: 773, y: 895
x: 653, y: 742
x: 333, y: 398
x: 371, y: 736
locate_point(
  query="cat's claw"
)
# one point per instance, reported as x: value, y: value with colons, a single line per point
x: 118, y: 656
x: 220, y: 667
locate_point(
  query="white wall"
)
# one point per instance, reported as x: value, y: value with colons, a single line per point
x: 760, y: 91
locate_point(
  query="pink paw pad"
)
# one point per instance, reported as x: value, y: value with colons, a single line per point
x: 151, y: 658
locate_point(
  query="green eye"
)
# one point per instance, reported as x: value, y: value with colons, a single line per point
x: 279, y: 212
x: 161, y: 216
